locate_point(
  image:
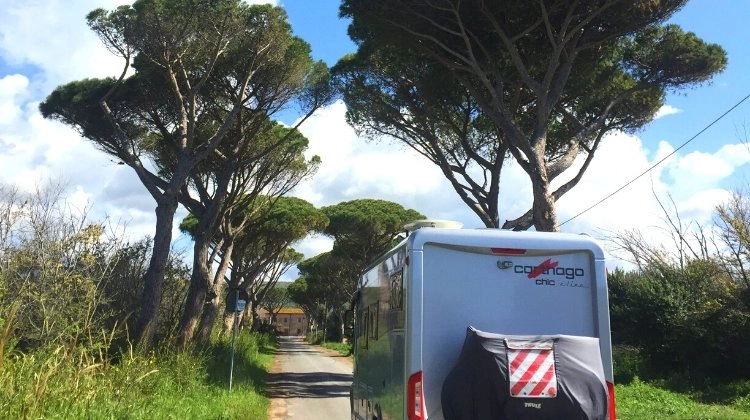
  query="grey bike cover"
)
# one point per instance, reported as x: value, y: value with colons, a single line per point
x: 526, y: 377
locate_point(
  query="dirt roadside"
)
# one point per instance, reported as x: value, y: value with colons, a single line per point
x: 277, y: 408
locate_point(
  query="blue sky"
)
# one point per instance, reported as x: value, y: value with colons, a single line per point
x: 321, y: 27
x: 44, y: 43
x: 724, y: 22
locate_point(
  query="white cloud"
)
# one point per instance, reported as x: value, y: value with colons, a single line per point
x: 13, y: 89
x: 50, y: 38
x: 353, y: 168
x: 735, y: 154
x: 699, y: 207
x: 314, y: 245
x: 698, y: 170
x: 37, y: 150
x: 689, y: 186
x: 618, y: 161
x: 666, y: 110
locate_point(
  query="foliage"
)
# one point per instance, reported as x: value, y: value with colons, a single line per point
x: 67, y: 286
x: 684, y: 314
x: 689, y: 320
x: 275, y: 299
x: 467, y: 84
x: 263, y: 250
x: 277, y: 219
x: 64, y: 382
x: 344, y: 349
x: 733, y: 220
x: 629, y: 362
x: 265, y: 229
x: 315, y: 337
x: 311, y: 298
x: 52, y: 264
x: 122, y: 290
x: 362, y: 230
x: 681, y: 320
x: 65, y: 278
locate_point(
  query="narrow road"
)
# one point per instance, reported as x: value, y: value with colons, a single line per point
x: 308, y: 382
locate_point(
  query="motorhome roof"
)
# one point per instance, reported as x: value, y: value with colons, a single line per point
x: 497, y: 238
x: 445, y: 224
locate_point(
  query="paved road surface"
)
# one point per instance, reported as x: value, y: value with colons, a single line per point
x: 308, y: 382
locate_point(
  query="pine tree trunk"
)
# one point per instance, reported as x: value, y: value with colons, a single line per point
x: 342, y: 325
x: 544, y: 214
x: 208, y: 317
x: 226, y: 326
x: 196, y: 298
x: 153, y: 280
x: 204, y: 287
x: 253, y: 313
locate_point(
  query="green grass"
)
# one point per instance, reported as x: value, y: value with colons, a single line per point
x: 343, y: 348
x: 64, y: 384
x: 640, y: 400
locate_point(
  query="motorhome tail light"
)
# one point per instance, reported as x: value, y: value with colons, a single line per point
x: 611, y: 392
x: 508, y: 251
x: 415, y: 397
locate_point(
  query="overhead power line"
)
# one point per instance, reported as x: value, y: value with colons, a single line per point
x: 717, y: 119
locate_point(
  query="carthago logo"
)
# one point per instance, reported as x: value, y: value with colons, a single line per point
x: 548, y: 268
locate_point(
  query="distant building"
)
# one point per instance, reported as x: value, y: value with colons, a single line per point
x: 287, y: 321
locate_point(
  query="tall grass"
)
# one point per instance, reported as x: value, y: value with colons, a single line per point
x: 6, y: 328
x: 66, y: 382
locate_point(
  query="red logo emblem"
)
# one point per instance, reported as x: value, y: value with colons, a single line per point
x: 541, y: 268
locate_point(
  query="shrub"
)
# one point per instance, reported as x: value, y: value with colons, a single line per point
x: 689, y: 320
x: 629, y: 362
x: 315, y: 338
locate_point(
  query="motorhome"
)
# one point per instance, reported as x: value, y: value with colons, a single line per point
x: 420, y: 305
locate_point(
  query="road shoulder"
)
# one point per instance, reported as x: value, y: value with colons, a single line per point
x: 277, y: 409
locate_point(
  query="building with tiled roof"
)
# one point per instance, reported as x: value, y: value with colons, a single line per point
x: 287, y: 321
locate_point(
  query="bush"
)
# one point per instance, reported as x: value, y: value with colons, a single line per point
x: 689, y: 320
x: 314, y: 338
x: 629, y: 363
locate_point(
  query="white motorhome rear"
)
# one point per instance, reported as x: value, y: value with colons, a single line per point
x: 414, y: 306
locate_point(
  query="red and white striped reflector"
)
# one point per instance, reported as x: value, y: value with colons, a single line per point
x: 531, y: 366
